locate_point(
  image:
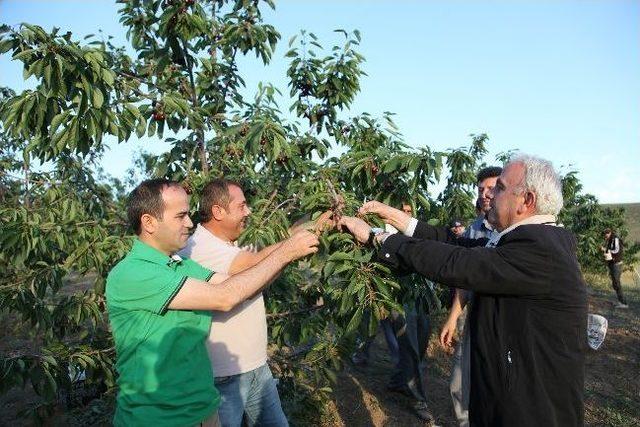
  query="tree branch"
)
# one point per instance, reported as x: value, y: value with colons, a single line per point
x: 294, y: 312
x: 202, y: 149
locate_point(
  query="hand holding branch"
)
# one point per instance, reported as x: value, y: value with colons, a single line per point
x: 300, y: 244
x: 357, y: 227
x: 397, y: 218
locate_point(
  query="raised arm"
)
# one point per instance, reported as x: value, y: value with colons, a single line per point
x: 512, y: 270
x: 223, y: 296
x: 396, y: 217
x: 247, y: 259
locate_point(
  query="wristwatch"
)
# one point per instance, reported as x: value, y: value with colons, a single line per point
x: 375, y: 231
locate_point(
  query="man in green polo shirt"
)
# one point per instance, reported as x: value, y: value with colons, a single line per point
x: 159, y: 308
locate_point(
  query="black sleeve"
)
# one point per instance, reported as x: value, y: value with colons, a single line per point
x: 443, y: 234
x: 519, y: 266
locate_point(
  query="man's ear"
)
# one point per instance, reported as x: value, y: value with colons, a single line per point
x: 149, y: 223
x: 218, y: 212
x: 530, y: 200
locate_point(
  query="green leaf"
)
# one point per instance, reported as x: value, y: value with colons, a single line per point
x: 354, y: 322
x: 57, y: 120
x: 24, y: 54
x: 97, y: 98
x: 141, y: 127
x: 5, y: 45
x: 423, y: 201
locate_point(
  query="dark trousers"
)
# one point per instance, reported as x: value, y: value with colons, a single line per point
x: 615, y: 271
x: 412, y: 333
x: 407, y: 337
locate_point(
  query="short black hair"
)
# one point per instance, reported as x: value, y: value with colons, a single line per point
x: 215, y: 193
x: 456, y: 223
x: 488, y: 172
x: 146, y: 198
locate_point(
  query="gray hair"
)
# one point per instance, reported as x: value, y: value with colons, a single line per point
x: 541, y: 178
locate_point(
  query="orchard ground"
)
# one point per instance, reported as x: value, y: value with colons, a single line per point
x: 612, y: 381
x: 612, y: 386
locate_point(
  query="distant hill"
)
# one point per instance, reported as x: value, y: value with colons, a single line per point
x: 632, y: 218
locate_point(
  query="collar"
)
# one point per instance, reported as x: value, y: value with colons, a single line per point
x: 202, y: 229
x: 145, y: 252
x: 175, y: 259
x: 534, y: 219
x: 487, y: 225
x: 250, y: 247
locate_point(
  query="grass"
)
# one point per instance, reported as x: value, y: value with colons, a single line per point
x: 612, y: 381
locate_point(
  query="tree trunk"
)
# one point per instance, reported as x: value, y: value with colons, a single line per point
x: 202, y: 148
x: 27, y: 197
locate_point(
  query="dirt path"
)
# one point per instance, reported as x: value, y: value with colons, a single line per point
x: 612, y: 382
x: 362, y: 399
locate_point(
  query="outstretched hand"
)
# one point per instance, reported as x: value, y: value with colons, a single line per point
x: 357, y: 227
x: 397, y: 218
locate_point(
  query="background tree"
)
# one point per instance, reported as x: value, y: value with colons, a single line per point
x: 583, y: 215
x: 67, y: 223
x: 63, y: 229
x: 458, y: 199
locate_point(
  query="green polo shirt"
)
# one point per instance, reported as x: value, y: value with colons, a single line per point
x: 165, y: 376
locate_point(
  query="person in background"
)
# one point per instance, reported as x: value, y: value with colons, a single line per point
x: 407, y: 337
x: 458, y: 318
x: 613, y: 250
x: 457, y: 227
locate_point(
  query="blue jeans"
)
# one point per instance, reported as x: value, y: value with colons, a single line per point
x: 251, y: 394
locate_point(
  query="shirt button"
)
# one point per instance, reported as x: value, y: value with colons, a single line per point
x: 387, y: 255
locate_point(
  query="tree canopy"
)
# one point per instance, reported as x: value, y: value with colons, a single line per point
x: 65, y: 224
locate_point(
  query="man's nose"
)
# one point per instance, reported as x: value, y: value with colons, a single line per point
x: 188, y: 222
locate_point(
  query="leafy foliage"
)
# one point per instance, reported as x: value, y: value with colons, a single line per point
x: 184, y: 85
x: 587, y: 219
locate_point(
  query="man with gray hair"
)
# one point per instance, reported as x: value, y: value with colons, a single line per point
x: 528, y: 320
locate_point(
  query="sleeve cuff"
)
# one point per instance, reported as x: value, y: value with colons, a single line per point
x: 411, y: 227
x: 387, y: 254
x: 173, y: 294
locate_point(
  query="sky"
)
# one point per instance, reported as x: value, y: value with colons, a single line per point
x: 557, y: 79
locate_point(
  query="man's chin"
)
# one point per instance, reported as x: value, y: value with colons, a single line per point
x: 237, y: 234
